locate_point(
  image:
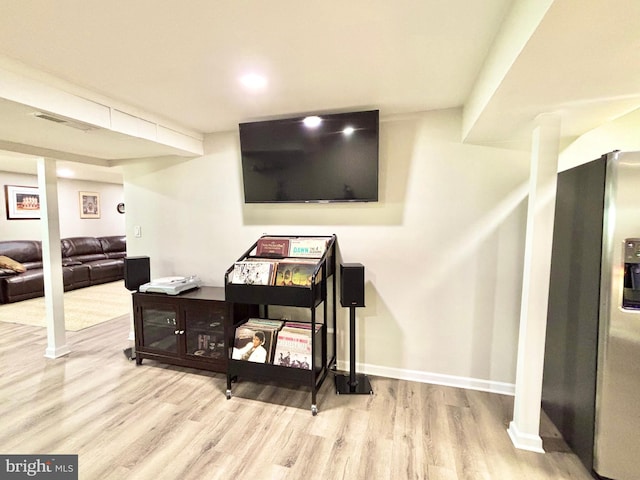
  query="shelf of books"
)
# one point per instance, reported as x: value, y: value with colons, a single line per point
x: 287, y: 271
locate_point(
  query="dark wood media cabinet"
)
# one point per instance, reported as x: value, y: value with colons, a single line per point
x: 192, y: 329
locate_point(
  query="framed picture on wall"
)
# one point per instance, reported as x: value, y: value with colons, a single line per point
x: 23, y: 203
x: 89, y: 205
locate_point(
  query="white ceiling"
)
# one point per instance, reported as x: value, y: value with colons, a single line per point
x: 179, y: 63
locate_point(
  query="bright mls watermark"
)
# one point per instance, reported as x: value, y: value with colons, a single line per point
x: 50, y: 467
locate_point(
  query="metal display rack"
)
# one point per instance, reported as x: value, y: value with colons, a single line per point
x: 312, y: 297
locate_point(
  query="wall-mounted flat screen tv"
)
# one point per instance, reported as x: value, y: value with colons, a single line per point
x: 315, y: 158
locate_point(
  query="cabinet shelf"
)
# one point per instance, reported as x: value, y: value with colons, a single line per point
x: 312, y: 297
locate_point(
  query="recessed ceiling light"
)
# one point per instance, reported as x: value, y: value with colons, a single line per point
x: 348, y: 130
x: 254, y: 81
x: 312, y: 122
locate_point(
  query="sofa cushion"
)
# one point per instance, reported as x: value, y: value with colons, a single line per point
x: 116, y: 243
x: 22, y: 251
x: 10, y: 264
x: 82, y: 246
x: 106, y: 270
x: 114, y: 246
x: 23, y: 286
x: 76, y: 276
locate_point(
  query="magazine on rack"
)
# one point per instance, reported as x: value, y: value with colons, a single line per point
x: 253, y: 272
x: 300, y: 247
x: 293, y: 348
x: 255, y: 339
x: 295, y: 272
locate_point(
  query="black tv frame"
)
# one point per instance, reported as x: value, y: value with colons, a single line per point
x: 285, y: 162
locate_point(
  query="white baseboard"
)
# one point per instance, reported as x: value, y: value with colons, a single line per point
x: 57, y: 352
x: 525, y: 441
x: 435, y: 378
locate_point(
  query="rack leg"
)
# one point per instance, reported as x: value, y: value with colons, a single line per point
x: 228, y: 387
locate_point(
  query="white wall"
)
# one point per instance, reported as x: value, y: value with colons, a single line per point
x: 110, y: 222
x: 618, y: 134
x: 71, y: 225
x: 443, y: 248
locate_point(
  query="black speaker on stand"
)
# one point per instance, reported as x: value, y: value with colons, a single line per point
x: 137, y: 271
x: 352, y: 296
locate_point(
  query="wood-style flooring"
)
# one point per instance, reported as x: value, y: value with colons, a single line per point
x: 158, y: 422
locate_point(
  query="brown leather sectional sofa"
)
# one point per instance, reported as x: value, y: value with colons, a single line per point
x: 85, y: 261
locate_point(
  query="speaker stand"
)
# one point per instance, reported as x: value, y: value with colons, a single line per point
x: 354, y: 383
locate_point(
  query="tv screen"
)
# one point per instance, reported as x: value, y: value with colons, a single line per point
x: 316, y: 158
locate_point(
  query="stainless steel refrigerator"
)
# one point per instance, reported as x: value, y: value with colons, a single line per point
x: 591, y: 382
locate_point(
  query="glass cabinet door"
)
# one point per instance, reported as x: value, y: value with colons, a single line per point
x: 204, y: 331
x: 160, y: 328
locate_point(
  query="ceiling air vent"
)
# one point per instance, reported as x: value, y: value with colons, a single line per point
x: 66, y: 121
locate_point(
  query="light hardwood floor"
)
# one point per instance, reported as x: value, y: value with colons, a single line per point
x: 158, y: 422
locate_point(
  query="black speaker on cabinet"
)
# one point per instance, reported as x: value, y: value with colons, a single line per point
x: 352, y: 285
x: 137, y: 271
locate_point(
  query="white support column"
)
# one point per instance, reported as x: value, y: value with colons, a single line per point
x: 129, y: 228
x: 52, y: 259
x: 524, y: 430
x: 132, y: 331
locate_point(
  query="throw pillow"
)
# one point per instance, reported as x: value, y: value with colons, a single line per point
x: 11, y: 264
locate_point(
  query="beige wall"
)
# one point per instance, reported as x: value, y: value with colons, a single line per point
x: 442, y: 248
x: 71, y: 225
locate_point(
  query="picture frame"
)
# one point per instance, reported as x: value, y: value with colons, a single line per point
x: 22, y: 203
x: 89, y: 203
